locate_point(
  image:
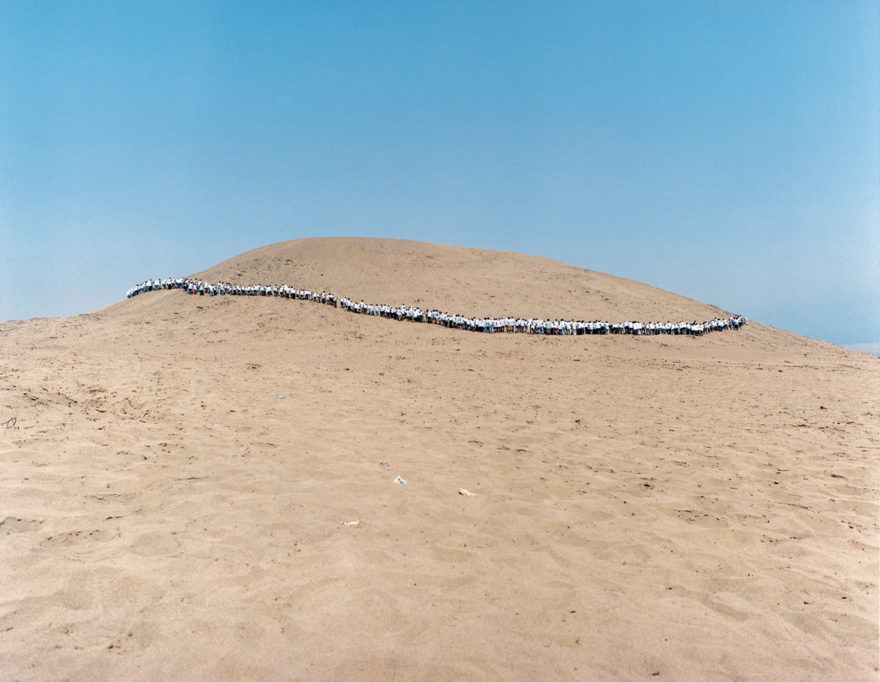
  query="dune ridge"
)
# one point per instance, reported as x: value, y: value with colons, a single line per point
x: 183, y: 474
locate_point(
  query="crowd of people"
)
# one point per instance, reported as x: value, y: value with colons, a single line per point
x: 490, y: 325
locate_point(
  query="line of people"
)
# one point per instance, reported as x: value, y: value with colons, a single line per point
x: 489, y: 325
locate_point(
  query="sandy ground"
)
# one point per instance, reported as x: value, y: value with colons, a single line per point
x: 204, y: 488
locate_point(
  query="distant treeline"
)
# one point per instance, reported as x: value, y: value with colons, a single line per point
x: 489, y: 325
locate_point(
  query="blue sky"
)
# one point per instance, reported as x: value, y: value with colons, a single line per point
x: 727, y: 151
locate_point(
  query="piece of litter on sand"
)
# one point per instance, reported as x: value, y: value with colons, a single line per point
x: 462, y: 491
x: 356, y: 522
x: 280, y: 397
x: 399, y: 480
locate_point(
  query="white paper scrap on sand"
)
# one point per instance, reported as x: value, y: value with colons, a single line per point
x: 462, y: 491
x: 356, y: 522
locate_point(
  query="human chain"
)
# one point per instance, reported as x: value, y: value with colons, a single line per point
x: 490, y: 325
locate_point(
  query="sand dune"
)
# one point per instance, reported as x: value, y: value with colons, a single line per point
x: 204, y: 488
x: 455, y: 280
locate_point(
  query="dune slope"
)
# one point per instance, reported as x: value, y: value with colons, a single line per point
x: 205, y: 488
x: 454, y: 280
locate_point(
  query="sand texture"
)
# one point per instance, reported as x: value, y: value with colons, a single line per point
x: 204, y: 488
